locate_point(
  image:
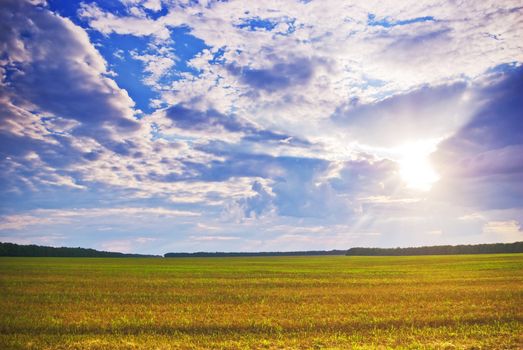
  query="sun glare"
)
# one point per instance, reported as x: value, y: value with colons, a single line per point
x: 415, y: 167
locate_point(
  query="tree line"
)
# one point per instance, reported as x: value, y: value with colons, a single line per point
x: 12, y: 249
x: 494, y: 248
x: 245, y: 254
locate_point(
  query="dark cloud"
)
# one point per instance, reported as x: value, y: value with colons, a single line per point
x: 298, y: 185
x: 211, y: 120
x: 308, y: 190
x: 483, y: 162
x: 54, y: 78
x: 50, y: 65
x: 258, y: 204
x: 193, y: 119
x: 499, y: 123
x: 294, y: 189
x: 242, y: 165
x: 22, y: 136
x: 278, y: 77
x: 423, y: 113
x: 417, y: 41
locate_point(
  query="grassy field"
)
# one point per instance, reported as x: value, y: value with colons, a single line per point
x: 440, y: 302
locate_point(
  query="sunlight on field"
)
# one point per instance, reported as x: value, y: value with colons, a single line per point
x: 269, y: 303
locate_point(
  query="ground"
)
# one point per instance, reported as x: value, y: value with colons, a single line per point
x: 431, y: 302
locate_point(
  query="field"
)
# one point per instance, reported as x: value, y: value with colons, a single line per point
x: 432, y: 302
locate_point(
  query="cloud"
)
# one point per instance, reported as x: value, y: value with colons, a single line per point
x: 280, y: 76
x: 53, y: 239
x: 65, y: 123
x: 213, y: 125
x: 281, y: 118
x: 188, y: 118
x: 506, y: 231
x: 154, y: 5
x: 135, y: 24
x: 156, y: 66
x: 56, y: 99
x: 330, y: 190
x: 213, y: 238
x: 483, y: 163
x: 20, y: 221
x: 257, y: 205
x: 51, y: 64
x: 43, y: 217
x: 128, y: 245
x: 425, y: 113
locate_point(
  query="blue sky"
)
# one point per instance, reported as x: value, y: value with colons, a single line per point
x: 152, y: 126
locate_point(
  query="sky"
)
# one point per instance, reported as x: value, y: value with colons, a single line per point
x: 155, y: 126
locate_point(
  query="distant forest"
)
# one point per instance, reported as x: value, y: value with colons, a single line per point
x: 239, y: 254
x: 11, y: 249
x: 516, y: 247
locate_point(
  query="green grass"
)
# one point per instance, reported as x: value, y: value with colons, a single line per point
x: 432, y: 302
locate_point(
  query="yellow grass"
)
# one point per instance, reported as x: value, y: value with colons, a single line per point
x: 432, y: 302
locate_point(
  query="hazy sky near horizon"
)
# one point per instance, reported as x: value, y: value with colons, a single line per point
x: 151, y: 126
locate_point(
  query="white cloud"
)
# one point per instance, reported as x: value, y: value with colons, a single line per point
x: 156, y: 66
x: 505, y: 231
x: 213, y: 238
x: 369, y: 62
x: 472, y: 217
x: 52, y: 239
x: 47, y: 217
x: 20, y: 221
x: 128, y: 245
x: 108, y: 23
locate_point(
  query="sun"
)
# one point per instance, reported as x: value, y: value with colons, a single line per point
x: 415, y: 167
